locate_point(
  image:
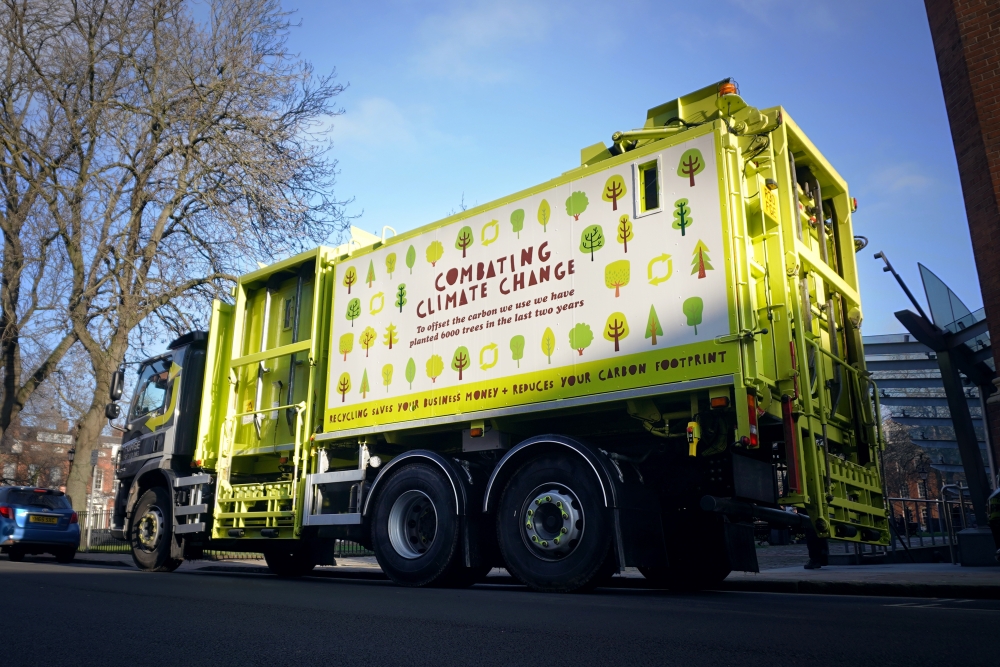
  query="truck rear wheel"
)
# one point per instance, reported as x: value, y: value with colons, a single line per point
x: 151, y: 532
x: 290, y: 564
x: 553, y: 528
x: 415, y: 527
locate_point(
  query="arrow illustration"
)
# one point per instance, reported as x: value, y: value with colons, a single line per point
x: 380, y: 296
x: 496, y: 356
x: 655, y: 279
x: 495, y: 226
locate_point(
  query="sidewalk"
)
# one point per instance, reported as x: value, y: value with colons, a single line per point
x: 924, y: 580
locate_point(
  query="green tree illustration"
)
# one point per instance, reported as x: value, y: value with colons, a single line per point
x: 653, y: 328
x: 616, y: 275
x: 353, y: 310
x: 625, y: 231
x: 435, y: 251
x: 387, y: 376
x: 580, y: 337
x: 390, y: 338
x: 592, y: 240
x: 350, y: 277
x: 463, y: 240
x: 390, y: 264
x: 548, y: 343
x: 370, y: 278
x: 434, y: 367
x: 517, y: 221
x: 693, y: 308
x: 614, y: 190
x: 691, y: 164
x: 616, y: 328
x: 700, y: 262
x: 344, y: 386
x: 401, y: 296
x: 460, y: 361
x: 367, y: 339
x: 517, y: 349
x: 346, y: 344
x: 682, y: 215
x: 411, y: 258
x: 576, y: 204
x: 544, y: 214
x: 411, y: 371
x: 365, y: 388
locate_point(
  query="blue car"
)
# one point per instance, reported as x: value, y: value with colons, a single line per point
x: 36, y: 521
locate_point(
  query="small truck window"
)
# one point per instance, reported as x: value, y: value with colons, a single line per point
x: 152, y: 388
x: 649, y: 187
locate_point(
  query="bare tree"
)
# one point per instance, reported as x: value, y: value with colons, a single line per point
x: 181, y: 152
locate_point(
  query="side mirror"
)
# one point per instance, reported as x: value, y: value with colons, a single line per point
x: 117, y: 384
x: 111, y: 411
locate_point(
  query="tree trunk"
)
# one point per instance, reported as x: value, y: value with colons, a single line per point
x: 88, y: 431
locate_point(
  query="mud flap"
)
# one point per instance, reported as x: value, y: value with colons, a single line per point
x: 639, y: 539
x: 740, y: 546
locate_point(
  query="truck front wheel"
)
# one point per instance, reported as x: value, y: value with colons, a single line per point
x: 553, y: 528
x: 415, y: 527
x: 151, y: 532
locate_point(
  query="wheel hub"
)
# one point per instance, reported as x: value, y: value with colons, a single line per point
x: 149, y: 529
x: 412, y: 524
x: 552, y: 521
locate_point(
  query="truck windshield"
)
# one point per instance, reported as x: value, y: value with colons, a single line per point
x: 151, y: 390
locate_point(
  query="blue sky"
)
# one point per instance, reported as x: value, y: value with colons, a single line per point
x: 482, y: 99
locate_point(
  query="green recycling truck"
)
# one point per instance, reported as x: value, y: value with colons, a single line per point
x: 628, y: 365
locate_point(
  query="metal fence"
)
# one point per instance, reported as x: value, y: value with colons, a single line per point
x: 920, y: 522
x: 96, y: 537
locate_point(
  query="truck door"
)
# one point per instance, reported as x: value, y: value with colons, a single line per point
x: 150, y: 414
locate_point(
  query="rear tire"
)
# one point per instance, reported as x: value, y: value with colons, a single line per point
x: 553, y: 528
x: 151, y: 532
x: 290, y: 564
x: 65, y: 555
x: 415, y: 529
x: 15, y: 554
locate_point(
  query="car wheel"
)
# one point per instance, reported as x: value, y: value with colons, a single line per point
x: 290, y: 564
x: 65, y: 555
x: 415, y: 527
x: 553, y: 528
x: 150, y: 534
x: 15, y: 554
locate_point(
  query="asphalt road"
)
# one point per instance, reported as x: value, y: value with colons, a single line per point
x: 54, y: 614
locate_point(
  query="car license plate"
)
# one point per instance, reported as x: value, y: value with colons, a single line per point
x: 34, y: 518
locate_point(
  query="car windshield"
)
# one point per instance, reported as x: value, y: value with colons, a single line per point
x: 49, y: 501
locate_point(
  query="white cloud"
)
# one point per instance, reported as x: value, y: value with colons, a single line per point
x: 903, y: 177
x: 374, y: 121
x: 476, y: 42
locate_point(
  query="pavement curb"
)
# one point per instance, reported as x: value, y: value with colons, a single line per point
x: 913, y: 590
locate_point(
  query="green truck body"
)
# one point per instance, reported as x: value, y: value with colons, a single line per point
x: 668, y: 336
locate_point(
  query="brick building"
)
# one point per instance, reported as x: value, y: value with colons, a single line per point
x: 966, y: 35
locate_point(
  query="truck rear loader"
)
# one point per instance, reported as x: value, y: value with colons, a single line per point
x: 625, y: 366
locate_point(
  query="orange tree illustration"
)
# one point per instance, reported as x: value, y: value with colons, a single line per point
x: 517, y: 221
x: 353, y: 310
x: 544, y: 214
x: 367, y: 339
x: 580, y: 337
x: 434, y: 367
x: 700, y: 262
x: 691, y: 164
x: 434, y: 252
x: 411, y: 371
x: 411, y: 258
x: 616, y: 275
x: 464, y: 239
x: 614, y: 190
x: 344, y: 386
x: 390, y: 337
x: 401, y: 296
x: 346, y: 344
x: 365, y: 388
x: 592, y: 240
x: 576, y: 204
x: 653, y: 328
x: 682, y: 215
x: 625, y: 231
x: 616, y: 329
x: 460, y: 361
x: 390, y: 264
x: 517, y: 349
x: 350, y: 277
